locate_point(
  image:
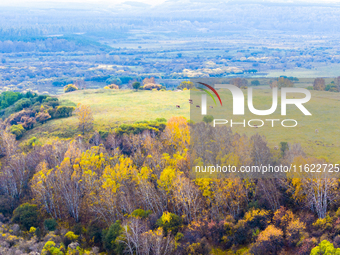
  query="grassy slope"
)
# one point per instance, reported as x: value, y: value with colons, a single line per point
x: 112, y: 108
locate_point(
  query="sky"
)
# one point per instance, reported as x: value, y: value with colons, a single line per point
x: 114, y: 2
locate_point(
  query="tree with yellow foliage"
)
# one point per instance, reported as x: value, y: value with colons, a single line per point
x: 85, y: 118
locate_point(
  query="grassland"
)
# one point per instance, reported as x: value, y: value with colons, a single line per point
x: 324, y: 107
x: 112, y: 108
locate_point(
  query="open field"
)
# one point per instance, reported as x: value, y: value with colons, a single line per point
x: 112, y: 108
x: 324, y: 107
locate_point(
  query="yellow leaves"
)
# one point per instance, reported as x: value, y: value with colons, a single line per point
x: 177, y: 132
x: 204, y: 185
x: 166, y: 217
x: 166, y: 178
x: 250, y: 215
x: 32, y: 230
x: 270, y: 233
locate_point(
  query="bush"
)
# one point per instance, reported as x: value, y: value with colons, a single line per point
x: 63, y: 111
x: 257, y: 218
x: 70, y: 88
x: 186, y: 85
x: 103, y: 134
x: 200, y: 248
x: 152, y: 86
x: 325, y: 247
x: 42, y: 117
x: 141, y: 213
x: 269, y: 241
x: 161, y: 119
x: 169, y: 222
x: 22, y: 103
x: 139, y: 127
x: 112, y: 86
x: 208, y: 118
x: 310, y: 88
x: 51, y: 249
x: 18, y: 131
x: 323, y: 224
x: 50, y: 224
x: 71, y: 236
x: 295, y: 232
x: 26, y: 215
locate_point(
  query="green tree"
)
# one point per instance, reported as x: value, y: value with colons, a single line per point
x: 110, y: 236
x: 136, y: 85
x: 255, y: 83
x: 325, y: 248
x: 208, y: 118
x: 170, y: 222
x: 50, y: 224
x: 26, y: 215
x: 17, y: 130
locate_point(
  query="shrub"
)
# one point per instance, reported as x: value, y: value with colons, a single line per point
x: 323, y: 224
x: 70, y: 88
x: 139, y: 127
x: 169, y: 222
x: 18, y: 131
x: 71, y: 236
x: 112, y: 86
x: 51, y: 249
x: 22, y: 103
x: 141, y: 213
x: 199, y: 248
x: 161, y: 119
x: 103, y: 134
x: 282, y: 218
x: 50, y: 224
x: 325, y: 247
x: 42, y: 117
x: 186, y: 85
x: 269, y: 241
x: 63, y: 111
x: 295, y: 232
x: 26, y: 215
x: 208, y: 118
x: 257, y: 218
x: 310, y: 88
x: 152, y: 86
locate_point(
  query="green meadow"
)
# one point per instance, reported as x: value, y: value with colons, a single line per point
x: 112, y: 108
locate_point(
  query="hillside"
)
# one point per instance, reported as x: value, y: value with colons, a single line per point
x: 113, y: 108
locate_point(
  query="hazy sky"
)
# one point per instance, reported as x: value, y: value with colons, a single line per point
x: 151, y: 2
